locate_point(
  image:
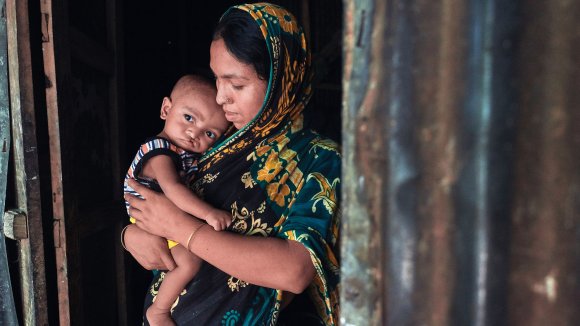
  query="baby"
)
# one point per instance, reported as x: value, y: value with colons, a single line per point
x: 193, y: 122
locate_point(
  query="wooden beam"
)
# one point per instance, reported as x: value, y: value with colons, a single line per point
x: 52, y: 62
x: 27, y: 182
x: 7, y: 309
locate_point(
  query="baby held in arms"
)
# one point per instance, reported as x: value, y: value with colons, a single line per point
x: 193, y: 123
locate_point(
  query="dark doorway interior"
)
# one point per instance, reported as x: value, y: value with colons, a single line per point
x: 164, y: 40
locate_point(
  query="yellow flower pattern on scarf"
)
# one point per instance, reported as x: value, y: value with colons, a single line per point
x: 326, y: 194
x: 271, y: 168
x: 278, y: 192
x: 280, y: 16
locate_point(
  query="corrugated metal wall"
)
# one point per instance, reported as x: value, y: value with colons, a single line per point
x: 461, y: 141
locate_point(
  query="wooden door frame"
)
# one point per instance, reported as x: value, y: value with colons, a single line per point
x: 25, y: 149
x: 60, y: 42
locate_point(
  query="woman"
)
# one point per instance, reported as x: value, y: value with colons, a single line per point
x: 280, y: 181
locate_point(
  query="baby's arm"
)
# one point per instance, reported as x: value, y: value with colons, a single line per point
x: 162, y: 169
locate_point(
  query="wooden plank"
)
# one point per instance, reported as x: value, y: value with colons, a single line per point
x: 31, y: 248
x: 7, y: 309
x: 58, y: 209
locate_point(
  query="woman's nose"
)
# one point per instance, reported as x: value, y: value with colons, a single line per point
x: 220, y: 97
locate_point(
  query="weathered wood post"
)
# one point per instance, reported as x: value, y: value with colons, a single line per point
x: 27, y: 191
x: 7, y: 308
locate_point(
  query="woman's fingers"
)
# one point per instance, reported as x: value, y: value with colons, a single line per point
x: 141, y: 189
x: 133, y: 201
x: 137, y: 204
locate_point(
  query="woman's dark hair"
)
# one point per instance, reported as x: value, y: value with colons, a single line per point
x: 244, y: 40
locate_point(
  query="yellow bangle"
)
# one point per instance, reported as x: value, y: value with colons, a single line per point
x: 122, y: 237
x: 192, y: 235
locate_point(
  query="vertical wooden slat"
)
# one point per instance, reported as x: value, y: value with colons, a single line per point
x: 50, y: 66
x: 7, y: 308
x: 31, y: 257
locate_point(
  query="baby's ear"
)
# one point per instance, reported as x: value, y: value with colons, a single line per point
x: 165, y: 107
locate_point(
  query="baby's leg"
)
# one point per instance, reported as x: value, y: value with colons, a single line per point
x: 174, y: 282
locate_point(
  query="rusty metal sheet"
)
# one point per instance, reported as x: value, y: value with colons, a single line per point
x: 544, y: 282
x: 362, y: 252
x: 461, y: 152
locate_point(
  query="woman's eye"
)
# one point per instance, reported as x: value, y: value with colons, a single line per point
x: 188, y: 117
x: 210, y: 134
x: 237, y: 87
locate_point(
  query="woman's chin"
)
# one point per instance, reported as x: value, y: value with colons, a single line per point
x: 238, y: 124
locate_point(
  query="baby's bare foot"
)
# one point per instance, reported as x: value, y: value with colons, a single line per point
x: 159, y: 317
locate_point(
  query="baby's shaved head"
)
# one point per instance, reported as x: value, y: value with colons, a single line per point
x: 189, y: 83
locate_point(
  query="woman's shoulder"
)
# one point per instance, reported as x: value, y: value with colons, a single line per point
x: 316, y: 152
x: 321, y: 145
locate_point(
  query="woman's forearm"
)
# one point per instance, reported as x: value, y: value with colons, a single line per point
x: 269, y: 262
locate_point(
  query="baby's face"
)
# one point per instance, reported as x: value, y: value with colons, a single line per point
x: 193, y: 121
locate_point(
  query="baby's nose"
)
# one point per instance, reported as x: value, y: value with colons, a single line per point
x: 191, y: 133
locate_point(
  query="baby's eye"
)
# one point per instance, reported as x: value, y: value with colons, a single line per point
x: 188, y: 117
x: 210, y: 134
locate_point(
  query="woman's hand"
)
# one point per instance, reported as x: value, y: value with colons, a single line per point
x: 149, y: 250
x: 155, y: 213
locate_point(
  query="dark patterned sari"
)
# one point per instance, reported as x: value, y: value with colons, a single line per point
x: 278, y: 180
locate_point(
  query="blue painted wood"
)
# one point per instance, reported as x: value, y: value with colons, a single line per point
x: 7, y: 308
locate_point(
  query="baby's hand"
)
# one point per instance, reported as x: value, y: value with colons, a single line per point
x: 218, y: 219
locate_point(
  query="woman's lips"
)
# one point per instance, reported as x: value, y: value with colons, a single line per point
x: 230, y: 115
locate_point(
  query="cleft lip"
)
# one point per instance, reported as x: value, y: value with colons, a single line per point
x: 189, y: 142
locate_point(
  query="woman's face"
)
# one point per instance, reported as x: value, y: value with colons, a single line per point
x: 239, y: 89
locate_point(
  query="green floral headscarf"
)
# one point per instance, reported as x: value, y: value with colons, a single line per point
x: 289, y: 84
